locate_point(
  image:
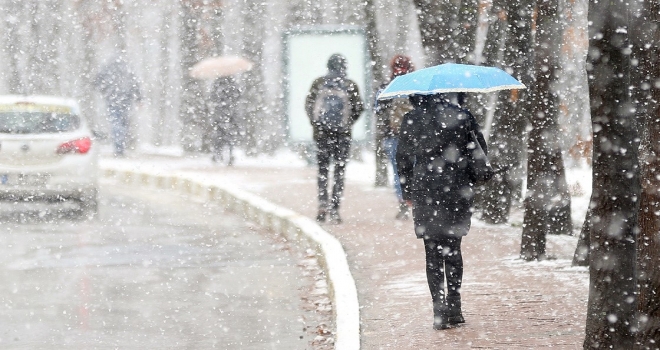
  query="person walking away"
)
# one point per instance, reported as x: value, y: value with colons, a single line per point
x: 120, y: 89
x: 432, y: 159
x: 389, y: 114
x: 224, y: 104
x: 333, y: 105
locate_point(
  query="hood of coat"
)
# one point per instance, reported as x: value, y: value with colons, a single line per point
x: 337, y: 65
x: 438, y: 111
x: 427, y: 102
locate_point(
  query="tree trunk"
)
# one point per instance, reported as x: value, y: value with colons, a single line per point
x: 118, y: 16
x: 509, y: 45
x: 402, y: 25
x: 43, y: 77
x: 378, y: 69
x: 301, y: 12
x: 86, y: 67
x: 547, y: 204
x: 647, y: 38
x: 163, y: 96
x: 448, y: 29
x: 581, y: 255
x: 255, y: 116
x: 33, y: 83
x: 614, y: 201
x: 649, y: 242
x: 13, y: 48
x: 466, y: 30
x: 192, y: 109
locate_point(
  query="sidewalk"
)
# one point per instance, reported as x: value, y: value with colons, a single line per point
x: 508, y: 304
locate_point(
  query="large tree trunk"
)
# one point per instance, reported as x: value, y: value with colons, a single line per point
x: 581, y: 255
x: 647, y: 38
x: 378, y: 69
x: 649, y: 239
x: 32, y: 52
x: 615, y: 194
x: 13, y: 48
x: 301, y: 12
x: 159, y: 120
x: 32, y: 40
x: 118, y: 18
x: 378, y: 66
x: 547, y: 204
x: 192, y: 109
x: 43, y: 75
x: 402, y: 25
x: 448, y: 29
x: 255, y: 116
x: 86, y: 66
x: 509, y: 45
x: 212, y: 45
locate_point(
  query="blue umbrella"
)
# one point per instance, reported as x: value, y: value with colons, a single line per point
x: 450, y: 77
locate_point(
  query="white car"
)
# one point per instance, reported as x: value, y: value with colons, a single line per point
x: 47, y: 151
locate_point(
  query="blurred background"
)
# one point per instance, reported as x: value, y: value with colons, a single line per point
x: 58, y: 46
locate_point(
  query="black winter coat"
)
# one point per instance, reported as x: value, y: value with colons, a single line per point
x: 432, y: 164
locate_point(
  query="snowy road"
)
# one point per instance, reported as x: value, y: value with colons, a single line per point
x: 153, y: 271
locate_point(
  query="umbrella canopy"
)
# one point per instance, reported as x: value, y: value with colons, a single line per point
x: 450, y: 77
x: 221, y: 66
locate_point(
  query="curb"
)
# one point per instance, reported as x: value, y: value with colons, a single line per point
x: 285, y: 222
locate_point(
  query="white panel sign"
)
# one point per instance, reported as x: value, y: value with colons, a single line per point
x: 306, y: 53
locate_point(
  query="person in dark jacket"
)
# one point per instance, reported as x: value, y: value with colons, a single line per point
x: 223, y: 105
x: 389, y: 114
x: 120, y: 88
x: 332, y: 131
x: 434, y: 145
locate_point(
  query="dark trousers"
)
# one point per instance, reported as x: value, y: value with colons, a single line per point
x: 331, y: 148
x: 119, y: 120
x: 223, y: 134
x: 444, y: 260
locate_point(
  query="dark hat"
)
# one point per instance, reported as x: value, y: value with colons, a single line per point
x: 400, y: 65
x: 337, y: 63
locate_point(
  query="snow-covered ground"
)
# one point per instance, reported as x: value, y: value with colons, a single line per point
x: 361, y: 172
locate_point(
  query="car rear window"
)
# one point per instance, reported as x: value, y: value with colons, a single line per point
x: 37, y: 120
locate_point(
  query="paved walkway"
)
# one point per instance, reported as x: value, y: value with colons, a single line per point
x: 508, y: 304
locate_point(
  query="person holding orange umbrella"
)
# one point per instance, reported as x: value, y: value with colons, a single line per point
x: 224, y: 100
x: 223, y: 108
x: 120, y: 89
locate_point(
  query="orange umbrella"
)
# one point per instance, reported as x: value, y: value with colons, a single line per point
x: 220, y: 66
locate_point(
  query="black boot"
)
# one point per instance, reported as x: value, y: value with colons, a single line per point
x: 440, y: 316
x: 320, y: 217
x: 323, y: 211
x: 455, y: 316
x: 333, y: 216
